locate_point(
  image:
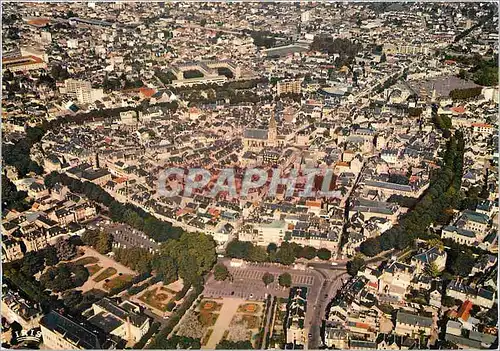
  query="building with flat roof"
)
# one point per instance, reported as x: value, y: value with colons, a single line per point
x: 289, y: 87
x: 82, y: 91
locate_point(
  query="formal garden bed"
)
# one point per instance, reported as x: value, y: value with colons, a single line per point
x: 108, y: 272
x: 208, y: 319
x: 93, y: 269
x: 117, y: 282
x: 159, y: 299
x: 209, y: 306
x: 248, y: 308
x: 86, y: 260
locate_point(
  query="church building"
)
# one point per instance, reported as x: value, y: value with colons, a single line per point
x: 255, y: 139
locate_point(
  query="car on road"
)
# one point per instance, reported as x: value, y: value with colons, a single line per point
x: 334, y: 264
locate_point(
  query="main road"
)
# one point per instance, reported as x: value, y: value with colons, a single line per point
x: 333, y: 281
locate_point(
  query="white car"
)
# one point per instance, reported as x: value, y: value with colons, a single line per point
x: 334, y: 264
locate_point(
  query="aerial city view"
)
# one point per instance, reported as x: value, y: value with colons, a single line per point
x: 249, y: 175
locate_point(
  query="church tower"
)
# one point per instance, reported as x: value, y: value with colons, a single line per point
x: 96, y: 160
x: 272, y: 133
x: 434, y: 94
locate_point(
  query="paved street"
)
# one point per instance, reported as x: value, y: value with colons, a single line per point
x: 332, y: 283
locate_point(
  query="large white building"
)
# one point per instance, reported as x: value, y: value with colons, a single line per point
x: 265, y: 233
x: 82, y: 91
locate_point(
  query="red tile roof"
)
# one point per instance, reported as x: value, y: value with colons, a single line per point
x: 464, y: 311
x: 458, y: 109
x: 147, y: 92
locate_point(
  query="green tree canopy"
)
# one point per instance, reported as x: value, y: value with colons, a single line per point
x: 194, y: 254
x: 354, y: 265
x: 324, y: 254
x: 234, y: 345
x: 308, y: 252
x: 267, y: 278
x: 285, y: 280
x: 286, y: 254
x: 221, y: 272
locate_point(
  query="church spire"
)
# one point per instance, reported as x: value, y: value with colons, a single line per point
x: 272, y: 121
x: 272, y: 131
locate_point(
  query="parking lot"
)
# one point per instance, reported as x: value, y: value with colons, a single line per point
x: 247, y: 282
x: 248, y: 273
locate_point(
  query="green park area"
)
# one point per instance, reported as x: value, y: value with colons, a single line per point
x: 117, y: 282
x: 159, y: 299
x: 86, y: 260
x: 93, y: 269
x: 108, y: 272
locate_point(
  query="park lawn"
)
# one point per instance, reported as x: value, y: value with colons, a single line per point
x: 86, y: 260
x: 93, y: 269
x: 108, y: 272
x: 118, y: 281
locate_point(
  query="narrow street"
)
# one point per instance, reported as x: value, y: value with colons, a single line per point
x: 332, y: 283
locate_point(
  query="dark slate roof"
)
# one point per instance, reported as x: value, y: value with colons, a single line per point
x: 362, y: 344
x: 476, y: 217
x: 486, y: 294
x: 460, y: 231
x: 119, y: 312
x: 428, y: 256
x: 460, y: 340
x: 255, y: 134
x: 78, y: 334
x: 107, y: 322
x: 413, y: 319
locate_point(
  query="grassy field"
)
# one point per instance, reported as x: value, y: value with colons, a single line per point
x: 118, y: 281
x: 86, y: 260
x: 108, y: 272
